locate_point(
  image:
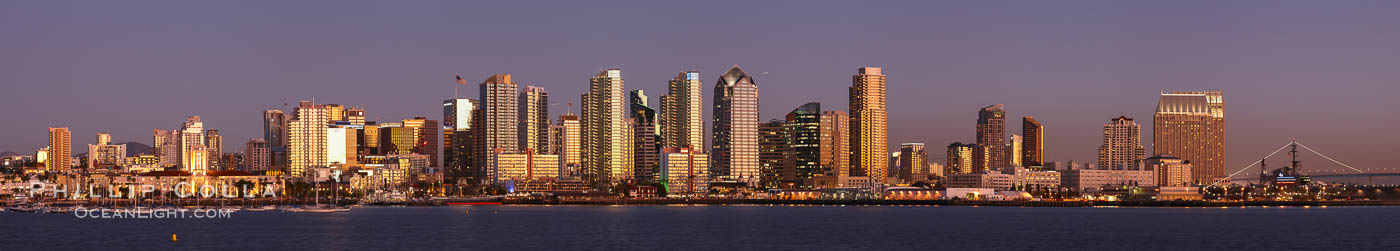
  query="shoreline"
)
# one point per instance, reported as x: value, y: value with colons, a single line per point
x: 1183, y: 204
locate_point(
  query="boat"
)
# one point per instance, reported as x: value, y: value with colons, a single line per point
x: 261, y: 209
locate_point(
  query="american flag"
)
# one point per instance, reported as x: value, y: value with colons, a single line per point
x: 461, y: 81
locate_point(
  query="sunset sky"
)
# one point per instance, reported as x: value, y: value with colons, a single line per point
x: 1324, y: 72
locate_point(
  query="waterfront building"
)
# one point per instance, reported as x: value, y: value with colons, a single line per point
x: 459, y: 139
x: 604, y: 130
x: 104, y: 155
x: 1022, y: 177
x: 1033, y: 148
x: 166, y: 146
x: 990, y: 179
x: 1094, y: 180
x: 1171, y: 171
x: 960, y: 158
x: 913, y: 162
x: 335, y: 146
x: 257, y: 156
x: 646, y: 151
x: 534, y: 120
x: 835, y: 143
x: 425, y: 137
x: 568, y: 135
x: 681, y: 121
x: 734, y: 143
x: 525, y: 166
x: 1013, y: 150
x: 215, y: 145
x: 1191, y: 126
x: 1122, y: 145
x: 196, y: 160
x: 772, y: 150
x: 275, y: 133
x: 991, y: 134
x: 803, y: 140
x: 60, y: 149
x: 500, y: 120
x: 869, y: 128
x: 306, y: 138
x: 191, y: 137
x: 686, y: 171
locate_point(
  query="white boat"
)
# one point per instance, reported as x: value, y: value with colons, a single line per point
x: 261, y: 209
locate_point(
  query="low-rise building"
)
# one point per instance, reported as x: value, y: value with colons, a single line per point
x: 1095, y: 180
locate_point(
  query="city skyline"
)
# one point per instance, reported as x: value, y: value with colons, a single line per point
x: 921, y: 111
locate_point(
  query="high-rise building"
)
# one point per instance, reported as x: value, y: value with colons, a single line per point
x: 913, y: 162
x: 192, y: 137
x: 166, y: 146
x: 215, y: 145
x: 772, y: 148
x: 966, y: 158
x: 104, y: 155
x: 1191, y: 126
x: 1122, y: 145
x: 534, y: 120
x: 991, y: 134
x: 646, y: 152
x: 258, y: 157
x: 605, y: 131
x: 685, y: 172
x: 275, y: 133
x: 306, y: 138
x: 835, y: 143
x: 336, y: 112
x: 500, y: 119
x: 458, y: 139
x: 569, y: 148
x: 804, y: 141
x: 104, y: 138
x: 1013, y: 150
x: 869, y: 139
x: 425, y: 138
x: 734, y: 143
x: 335, y: 146
x: 355, y: 115
x: 1033, y: 148
x: 1171, y: 171
x: 681, y: 122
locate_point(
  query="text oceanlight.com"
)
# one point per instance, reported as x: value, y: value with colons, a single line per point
x: 151, y: 213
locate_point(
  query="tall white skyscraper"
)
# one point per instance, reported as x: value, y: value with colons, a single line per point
x: 191, y: 140
x: 1122, y: 145
x: 534, y: 120
x: 306, y: 138
x: 500, y: 120
x: 605, y: 152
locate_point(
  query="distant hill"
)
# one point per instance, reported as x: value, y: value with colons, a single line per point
x: 136, y: 148
x: 8, y: 154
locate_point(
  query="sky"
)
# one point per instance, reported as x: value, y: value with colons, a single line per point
x: 1323, y: 72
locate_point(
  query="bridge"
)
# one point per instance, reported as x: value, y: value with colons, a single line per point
x: 1338, y: 172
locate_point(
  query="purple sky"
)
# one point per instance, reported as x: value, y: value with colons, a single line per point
x: 1324, y: 72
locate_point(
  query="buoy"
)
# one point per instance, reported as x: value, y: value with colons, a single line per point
x: 469, y: 211
x: 493, y: 211
x: 172, y: 238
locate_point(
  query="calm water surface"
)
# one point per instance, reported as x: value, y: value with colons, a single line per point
x: 727, y: 227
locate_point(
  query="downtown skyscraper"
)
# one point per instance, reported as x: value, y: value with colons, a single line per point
x: 803, y: 138
x: 275, y: 133
x: 60, y: 149
x: 869, y: 125
x: 570, y: 142
x: 1122, y: 145
x: 306, y: 138
x: 1191, y: 126
x: 1033, y: 142
x: 734, y: 143
x: 605, y: 132
x: 534, y: 120
x: 835, y: 143
x: 646, y: 151
x: 500, y: 120
x: 681, y: 122
x: 459, y: 135
x: 991, y: 134
x: 191, y: 141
